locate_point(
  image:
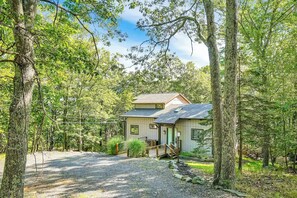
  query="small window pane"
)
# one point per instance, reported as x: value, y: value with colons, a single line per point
x: 134, y: 129
x: 153, y: 126
x: 195, y: 133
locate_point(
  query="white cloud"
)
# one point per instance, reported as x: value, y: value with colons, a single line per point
x: 131, y: 15
x: 181, y: 44
x: 123, y: 49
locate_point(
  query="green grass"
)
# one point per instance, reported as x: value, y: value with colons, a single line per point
x: 187, y: 154
x: 250, y: 165
x: 136, y: 147
x: 204, y: 167
x: 111, y: 145
x: 2, y: 156
x: 256, y: 181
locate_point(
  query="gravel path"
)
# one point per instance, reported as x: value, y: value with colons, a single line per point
x: 74, y: 174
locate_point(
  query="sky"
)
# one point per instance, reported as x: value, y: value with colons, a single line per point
x: 180, y: 43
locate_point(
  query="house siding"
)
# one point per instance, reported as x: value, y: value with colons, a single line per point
x: 177, y: 100
x: 145, y: 106
x: 144, y: 130
x: 184, y: 127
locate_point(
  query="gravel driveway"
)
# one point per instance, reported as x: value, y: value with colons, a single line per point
x: 74, y: 174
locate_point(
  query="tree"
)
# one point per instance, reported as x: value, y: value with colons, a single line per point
x: 21, y: 17
x: 229, y: 109
x: 263, y: 26
x: 165, y: 21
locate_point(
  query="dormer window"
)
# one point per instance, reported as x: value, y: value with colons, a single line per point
x: 159, y: 106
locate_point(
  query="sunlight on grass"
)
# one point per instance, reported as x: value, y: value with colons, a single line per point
x: 2, y: 156
x: 256, y: 181
x: 204, y: 167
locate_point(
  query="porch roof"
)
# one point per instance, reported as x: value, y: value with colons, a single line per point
x: 191, y: 111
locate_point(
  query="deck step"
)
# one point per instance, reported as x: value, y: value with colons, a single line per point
x: 163, y: 156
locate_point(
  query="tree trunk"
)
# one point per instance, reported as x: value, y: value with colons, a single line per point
x: 15, y: 162
x: 215, y: 87
x: 80, y: 134
x: 229, y: 113
x: 65, y: 112
x: 239, y: 110
x: 265, y: 121
x: 52, y: 131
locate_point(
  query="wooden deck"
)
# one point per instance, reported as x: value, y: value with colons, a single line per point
x: 156, y: 151
x: 160, y: 151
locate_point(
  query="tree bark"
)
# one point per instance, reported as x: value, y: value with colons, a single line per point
x: 65, y: 112
x: 239, y: 110
x: 229, y: 107
x: 265, y: 125
x: 215, y: 87
x: 80, y: 133
x: 15, y: 162
x: 52, y: 131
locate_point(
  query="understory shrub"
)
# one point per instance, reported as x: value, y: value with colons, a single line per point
x: 111, y: 144
x: 136, y: 147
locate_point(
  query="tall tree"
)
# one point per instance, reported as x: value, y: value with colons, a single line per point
x: 23, y: 15
x: 262, y: 23
x: 162, y: 22
x: 229, y: 111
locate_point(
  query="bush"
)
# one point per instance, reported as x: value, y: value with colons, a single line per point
x: 111, y: 144
x: 136, y: 147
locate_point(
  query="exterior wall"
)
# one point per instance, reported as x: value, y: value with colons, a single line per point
x: 145, y: 106
x: 177, y: 100
x: 184, y: 127
x: 144, y: 130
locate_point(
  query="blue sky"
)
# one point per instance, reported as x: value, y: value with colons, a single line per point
x: 180, y: 44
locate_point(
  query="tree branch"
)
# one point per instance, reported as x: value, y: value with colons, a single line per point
x: 81, y: 23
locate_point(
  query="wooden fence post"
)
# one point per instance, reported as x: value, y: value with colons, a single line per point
x: 117, y: 149
x: 165, y: 148
x: 157, y: 152
x: 127, y: 152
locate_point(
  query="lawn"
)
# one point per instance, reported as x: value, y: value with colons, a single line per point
x: 256, y: 182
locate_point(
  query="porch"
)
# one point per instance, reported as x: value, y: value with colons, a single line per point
x: 163, y: 151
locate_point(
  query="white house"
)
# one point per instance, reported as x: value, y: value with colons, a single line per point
x: 162, y: 117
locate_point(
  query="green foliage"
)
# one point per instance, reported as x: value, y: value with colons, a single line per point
x: 111, y: 144
x: 136, y: 147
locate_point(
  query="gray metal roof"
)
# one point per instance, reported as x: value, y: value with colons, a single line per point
x: 156, y: 98
x: 149, y: 113
x: 173, y: 113
x: 191, y: 111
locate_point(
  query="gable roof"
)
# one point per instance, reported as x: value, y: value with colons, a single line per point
x: 157, y: 98
x: 191, y: 111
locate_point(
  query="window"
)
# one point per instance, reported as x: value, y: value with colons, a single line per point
x: 134, y: 129
x: 195, y: 133
x: 159, y: 106
x: 153, y: 126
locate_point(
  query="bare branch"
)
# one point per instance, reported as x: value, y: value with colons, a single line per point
x: 56, y: 15
x: 5, y: 51
x: 7, y: 61
x: 191, y: 40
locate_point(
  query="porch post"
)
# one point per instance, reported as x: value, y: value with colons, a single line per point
x: 159, y: 134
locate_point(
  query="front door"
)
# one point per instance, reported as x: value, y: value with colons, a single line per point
x: 169, y: 135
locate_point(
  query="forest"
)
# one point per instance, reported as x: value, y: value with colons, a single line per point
x: 61, y: 89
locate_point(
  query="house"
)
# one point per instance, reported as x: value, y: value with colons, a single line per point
x: 163, y: 117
